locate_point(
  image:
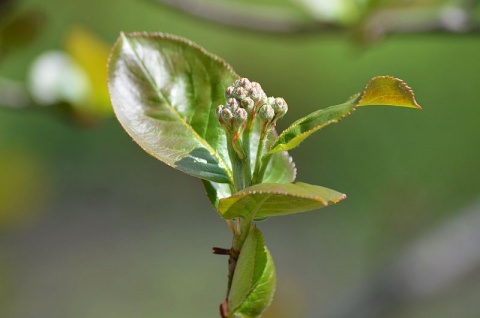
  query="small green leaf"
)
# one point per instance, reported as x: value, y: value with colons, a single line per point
x: 304, y: 127
x: 164, y: 91
x: 216, y: 191
x: 380, y: 90
x: 281, y: 168
x: 269, y: 199
x: 389, y: 91
x: 253, y: 283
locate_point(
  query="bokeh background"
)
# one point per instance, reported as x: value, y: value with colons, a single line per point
x: 91, y: 226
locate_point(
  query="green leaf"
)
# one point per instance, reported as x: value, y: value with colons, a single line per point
x: 216, y: 192
x: 380, y: 90
x: 281, y: 168
x: 304, y: 127
x: 268, y: 199
x: 389, y: 91
x: 253, y: 283
x: 164, y: 90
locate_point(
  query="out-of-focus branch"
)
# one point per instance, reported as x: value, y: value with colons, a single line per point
x: 437, y: 19
x: 248, y: 17
x: 374, y: 25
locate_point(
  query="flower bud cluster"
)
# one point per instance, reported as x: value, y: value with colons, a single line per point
x: 246, y: 99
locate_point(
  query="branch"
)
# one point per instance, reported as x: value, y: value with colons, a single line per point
x: 373, y: 26
x: 437, y: 19
x: 248, y: 18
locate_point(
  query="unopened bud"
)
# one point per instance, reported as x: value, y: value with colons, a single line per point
x: 248, y: 104
x: 256, y: 92
x: 229, y: 92
x: 266, y: 113
x: 243, y: 82
x: 280, y: 107
x: 226, y: 117
x: 232, y: 103
x: 240, y: 92
x: 239, y: 117
x: 219, y: 111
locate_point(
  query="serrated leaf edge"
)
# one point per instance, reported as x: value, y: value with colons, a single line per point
x: 276, y: 148
x: 400, y: 81
x: 284, y: 193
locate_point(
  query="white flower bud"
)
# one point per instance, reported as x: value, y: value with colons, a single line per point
x: 239, y: 116
x: 243, y: 82
x: 280, y: 107
x: 240, y: 92
x: 248, y: 104
x: 266, y: 113
x: 232, y: 103
x: 229, y: 92
x: 219, y: 110
x: 256, y: 92
x: 226, y: 116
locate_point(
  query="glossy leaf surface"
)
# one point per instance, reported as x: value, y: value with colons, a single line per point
x: 164, y: 90
x: 380, y: 90
x: 269, y: 199
x: 253, y: 283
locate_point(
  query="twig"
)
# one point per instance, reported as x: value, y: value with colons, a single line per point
x: 443, y: 19
x: 273, y: 20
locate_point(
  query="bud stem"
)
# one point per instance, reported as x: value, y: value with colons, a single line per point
x: 257, y: 177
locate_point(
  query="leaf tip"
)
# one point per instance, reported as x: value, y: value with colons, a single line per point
x: 387, y: 90
x: 343, y: 196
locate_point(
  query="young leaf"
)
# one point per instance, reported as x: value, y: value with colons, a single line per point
x: 387, y: 90
x: 269, y: 199
x: 253, y: 283
x: 164, y: 91
x: 304, y: 127
x: 216, y: 192
x: 380, y: 90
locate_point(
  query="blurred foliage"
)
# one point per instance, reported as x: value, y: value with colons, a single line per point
x: 23, y: 189
x: 70, y: 82
x: 368, y: 20
x: 18, y: 29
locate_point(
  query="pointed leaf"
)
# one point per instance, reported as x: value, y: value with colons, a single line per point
x: 253, y: 283
x: 389, y: 91
x: 281, y: 169
x: 164, y: 91
x: 269, y: 199
x: 380, y: 90
x: 304, y: 127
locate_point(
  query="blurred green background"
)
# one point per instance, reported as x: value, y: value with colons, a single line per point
x: 91, y: 226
